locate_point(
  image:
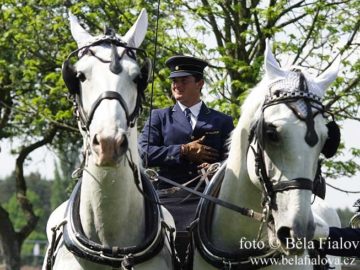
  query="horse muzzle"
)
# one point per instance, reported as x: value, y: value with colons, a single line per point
x: 294, y: 234
x: 108, y: 150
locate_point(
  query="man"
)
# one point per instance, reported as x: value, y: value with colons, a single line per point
x: 184, y: 138
x: 344, y: 242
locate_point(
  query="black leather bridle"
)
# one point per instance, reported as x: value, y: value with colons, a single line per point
x: 258, y: 131
x: 71, y: 78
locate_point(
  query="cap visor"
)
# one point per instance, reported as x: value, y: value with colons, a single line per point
x: 179, y: 74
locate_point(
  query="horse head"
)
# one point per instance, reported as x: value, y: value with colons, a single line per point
x: 288, y: 134
x: 107, y: 85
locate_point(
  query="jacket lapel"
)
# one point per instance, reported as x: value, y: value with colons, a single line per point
x: 203, y: 117
x: 180, y: 118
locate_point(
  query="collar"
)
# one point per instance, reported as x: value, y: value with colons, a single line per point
x: 217, y: 257
x: 76, y: 241
x: 195, y: 109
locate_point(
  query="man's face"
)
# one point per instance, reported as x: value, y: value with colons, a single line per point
x: 186, y: 90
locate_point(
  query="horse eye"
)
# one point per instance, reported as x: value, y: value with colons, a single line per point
x: 272, y: 134
x: 81, y: 76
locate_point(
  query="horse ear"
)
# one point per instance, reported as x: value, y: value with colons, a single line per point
x: 80, y: 35
x: 136, y: 34
x: 272, y: 67
x: 325, y: 79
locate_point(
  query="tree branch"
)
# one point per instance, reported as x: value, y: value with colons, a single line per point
x: 213, y: 24
x: 8, y: 244
x: 306, y: 39
x: 6, y: 110
x: 352, y: 37
x: 351, y: 85
x: 286, y: 10
x: 294, y: 20
x: 25, y: 204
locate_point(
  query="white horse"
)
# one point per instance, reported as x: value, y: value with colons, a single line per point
x: 271, y: 167
x: 110, y: 220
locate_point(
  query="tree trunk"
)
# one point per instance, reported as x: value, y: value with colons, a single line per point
x: 9, y: 242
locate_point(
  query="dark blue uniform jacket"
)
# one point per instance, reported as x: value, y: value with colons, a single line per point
x: 170, y: 129
x: 347, y: 239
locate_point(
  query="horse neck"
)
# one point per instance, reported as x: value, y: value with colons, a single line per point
x: 237, y: 188
x: 111, y: 207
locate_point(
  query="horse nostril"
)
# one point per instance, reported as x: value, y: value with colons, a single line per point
x: 122, y: 143
x: 283, y: 234
x: 96, y: 140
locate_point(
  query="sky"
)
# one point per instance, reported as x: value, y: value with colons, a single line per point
x: 42, y: 161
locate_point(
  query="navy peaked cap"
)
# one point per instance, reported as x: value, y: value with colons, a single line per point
x: 181, y: 66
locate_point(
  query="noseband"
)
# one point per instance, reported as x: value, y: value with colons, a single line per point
x: 72, y: 79
x: 278, y: 94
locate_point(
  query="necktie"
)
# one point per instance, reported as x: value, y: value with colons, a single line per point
x: 188, y: 115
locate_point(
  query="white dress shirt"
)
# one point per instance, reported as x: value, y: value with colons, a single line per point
x: 195, y: 110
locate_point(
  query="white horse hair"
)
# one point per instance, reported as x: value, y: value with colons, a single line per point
x: 112, y: 210
x: 286, y: 156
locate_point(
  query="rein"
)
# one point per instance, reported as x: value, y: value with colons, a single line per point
x: 241, y: 210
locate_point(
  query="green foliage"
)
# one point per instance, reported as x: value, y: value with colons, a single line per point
x: 32, y: 47
x: 7, y: 188
x: 35, y: 39
x: 16, y: 215
x: 39, y: 195
x: 306, y: 34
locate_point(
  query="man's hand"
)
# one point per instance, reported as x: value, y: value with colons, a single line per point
x: 197, y: 152
x: 204, y: 166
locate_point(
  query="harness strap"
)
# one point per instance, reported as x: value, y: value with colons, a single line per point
x: 108, y: 95
x: 297, y: 183
x: 55, y: 239
x: 175, y: 259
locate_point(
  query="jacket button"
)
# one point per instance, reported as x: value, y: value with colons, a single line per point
x: 192, y: 137
x: 190, y: 173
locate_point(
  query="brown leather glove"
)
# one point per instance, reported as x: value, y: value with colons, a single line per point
x: 197, y: 152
